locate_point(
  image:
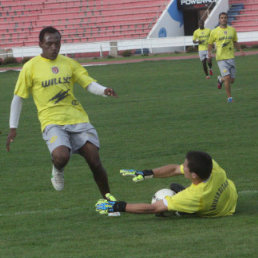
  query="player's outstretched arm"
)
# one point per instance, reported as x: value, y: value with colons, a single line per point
x: 161, y: 172
x: 98, y: 89
x: 146, y: 208
x: 167, y: 171
x: 104, y: 207
x: 137, y: 175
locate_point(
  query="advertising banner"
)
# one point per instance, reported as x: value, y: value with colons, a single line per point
x: 194, y: 4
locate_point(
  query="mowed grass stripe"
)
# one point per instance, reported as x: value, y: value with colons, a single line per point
x: 22, y: 213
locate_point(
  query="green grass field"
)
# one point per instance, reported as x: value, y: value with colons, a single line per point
x: 164, y: 109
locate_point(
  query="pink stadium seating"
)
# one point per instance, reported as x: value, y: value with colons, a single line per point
x: 247, y: 19
x: 78, y: 21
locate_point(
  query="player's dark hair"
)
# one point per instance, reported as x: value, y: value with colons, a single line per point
x: 200, y: 163
x: 223, y: 13
x: 48, y: 29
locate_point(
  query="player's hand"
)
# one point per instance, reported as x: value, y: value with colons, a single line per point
x: 137, y: 175
x: 10, y: 138
x: 201, y: 41
x: 110, y: 92
x: 104, y: 206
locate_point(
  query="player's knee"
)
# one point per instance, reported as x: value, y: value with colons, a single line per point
x: 60, y: 157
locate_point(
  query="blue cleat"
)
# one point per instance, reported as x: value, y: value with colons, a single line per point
x: 230, y: 100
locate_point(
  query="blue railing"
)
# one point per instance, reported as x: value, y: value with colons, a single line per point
x: 234, y: 11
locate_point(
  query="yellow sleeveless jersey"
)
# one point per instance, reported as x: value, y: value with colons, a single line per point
x: 51, y: 83
x: 215, y: 197
x: 224, y: 39
x: 203, y: 36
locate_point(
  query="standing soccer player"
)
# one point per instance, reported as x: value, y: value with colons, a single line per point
x: 201, y: 37
x: 225, y: 39
x: 65, y: 125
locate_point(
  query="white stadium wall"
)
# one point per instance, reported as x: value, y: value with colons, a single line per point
x: 151, y: 43
x: 213, y: 19
x: 170, y: 24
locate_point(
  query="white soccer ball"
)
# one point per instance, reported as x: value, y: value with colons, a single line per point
x: 161, y: 194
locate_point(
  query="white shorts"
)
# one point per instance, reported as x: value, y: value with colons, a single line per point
x: 227, y: 67
x: 203, y: 54
x: 72, y: 136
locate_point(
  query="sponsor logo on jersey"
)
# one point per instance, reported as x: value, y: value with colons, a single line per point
x: 225, y: 44
x: 55, y: 70
x: 59, y: 96
x: 56, y: 81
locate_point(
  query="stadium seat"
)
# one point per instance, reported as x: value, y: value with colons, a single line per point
x: 86, y: 21
x: 243, y: 15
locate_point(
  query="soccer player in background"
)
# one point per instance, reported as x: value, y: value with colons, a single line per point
x: 65, y: 125
x: 225, y: 39
x: 211, y: 193
x: 201, y: 37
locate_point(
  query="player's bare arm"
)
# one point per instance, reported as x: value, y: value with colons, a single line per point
x: 210, y: 46
x: 145, y: 208
x: 161, y: 172
x: 167, y: 171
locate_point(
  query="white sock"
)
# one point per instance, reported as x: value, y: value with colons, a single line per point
x: 57, y: 170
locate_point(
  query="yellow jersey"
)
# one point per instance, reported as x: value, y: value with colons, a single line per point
x: 224, y: 39
x: 51, y: 83
x: 202, y: 35
x: 217, y: 196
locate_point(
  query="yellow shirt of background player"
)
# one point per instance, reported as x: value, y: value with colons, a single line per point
x: 203, y: 36
x: 224, y: 39
x: 51, y: 84
x: 215, y: 197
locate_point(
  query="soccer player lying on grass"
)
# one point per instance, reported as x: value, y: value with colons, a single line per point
x: 65, y: 125
x: 211, y: 193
